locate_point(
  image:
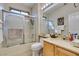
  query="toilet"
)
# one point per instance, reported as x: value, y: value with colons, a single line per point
x: 36, y: 48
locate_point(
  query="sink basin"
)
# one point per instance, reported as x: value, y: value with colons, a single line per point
x: 75, y: 43
x: 53, y: 36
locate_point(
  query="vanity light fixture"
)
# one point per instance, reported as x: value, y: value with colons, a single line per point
x: 46, y: 5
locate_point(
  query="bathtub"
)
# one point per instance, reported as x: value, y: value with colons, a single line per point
x: 18, y: 50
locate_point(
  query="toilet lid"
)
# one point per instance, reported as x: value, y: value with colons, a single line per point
x: 36, y: 46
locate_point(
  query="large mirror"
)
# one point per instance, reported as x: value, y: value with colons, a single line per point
x: 50, y: 27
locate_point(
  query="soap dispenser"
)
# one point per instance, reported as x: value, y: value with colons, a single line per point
x: 70, y: 37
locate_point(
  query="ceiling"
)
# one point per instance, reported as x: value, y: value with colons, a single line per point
x: 28, y: 4
x: 32, y: 4
x: 54, y: 7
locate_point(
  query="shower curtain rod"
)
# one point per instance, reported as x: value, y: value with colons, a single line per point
x: 19, y: 14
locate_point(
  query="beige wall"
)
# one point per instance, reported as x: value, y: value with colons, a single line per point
x: 63, y: 12
x: 34, y: 13
x: 37, y: 12
x: 17, y: 6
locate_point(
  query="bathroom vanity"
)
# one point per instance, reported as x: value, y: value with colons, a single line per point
x: 59, y: 47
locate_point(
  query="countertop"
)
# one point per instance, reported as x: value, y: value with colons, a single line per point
x: 62, y: 43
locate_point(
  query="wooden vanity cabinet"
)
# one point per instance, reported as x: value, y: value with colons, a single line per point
x: 53, y: 50
x: 48, y: 49
x: 63, y: 52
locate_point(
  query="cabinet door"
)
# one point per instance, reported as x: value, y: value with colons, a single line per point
x: 62, y: 52
x: 48, y: 49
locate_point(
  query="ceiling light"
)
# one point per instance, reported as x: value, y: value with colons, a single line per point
x: 46, y: 6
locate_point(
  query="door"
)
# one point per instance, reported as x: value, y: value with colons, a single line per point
x: 48, y: 49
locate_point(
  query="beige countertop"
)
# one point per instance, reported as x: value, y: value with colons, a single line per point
x: 62, y: 43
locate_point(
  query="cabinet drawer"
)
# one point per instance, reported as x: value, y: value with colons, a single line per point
x: 62, y: 52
